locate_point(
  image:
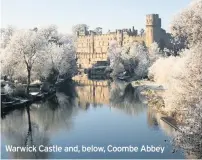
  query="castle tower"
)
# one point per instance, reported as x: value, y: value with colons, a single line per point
x: 119, y: 37
x: 92, y: 41
x: 153, y: 29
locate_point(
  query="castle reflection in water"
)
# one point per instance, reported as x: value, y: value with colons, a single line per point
x: 38, y: 123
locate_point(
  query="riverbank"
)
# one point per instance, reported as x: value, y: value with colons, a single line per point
x: 100, y: 109
x: 152, y: 94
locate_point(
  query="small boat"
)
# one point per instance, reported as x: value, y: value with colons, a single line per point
x: 38, y: 94
x: 59, y: 81
x: 123, y: 76
x: 13, y: 103
x: 97, y: 70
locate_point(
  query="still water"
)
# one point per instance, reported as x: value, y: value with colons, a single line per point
x: 86, y: 113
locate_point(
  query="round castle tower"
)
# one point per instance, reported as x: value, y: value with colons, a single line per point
x: 153, y: 29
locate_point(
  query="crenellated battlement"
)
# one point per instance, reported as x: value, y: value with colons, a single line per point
x: 95, y: 45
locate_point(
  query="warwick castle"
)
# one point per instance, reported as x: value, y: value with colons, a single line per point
x: 92, y: 47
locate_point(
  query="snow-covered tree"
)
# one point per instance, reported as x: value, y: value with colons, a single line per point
x: 61, y: 58
x: 134, y: 58
x: 79, y: 27
x: 186, y: 26
x: 50, y: 33
x: 59, y: 55
x: 6, y: 34
x: 190, y: 139
x: 34, y: 54
x: 10, y: 65
x: 154, y: 52
x: 114, y: 55
x: 186, y: 80
x: 25, y: 47
x: 139, y: 55
x: 183, y: 77
x: 162, y: 69
x: 98, y: 30
x: 142, y: 31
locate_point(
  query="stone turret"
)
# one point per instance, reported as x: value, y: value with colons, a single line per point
x: 92, y: 34
x: 153, y: 29
x: 119, y: 37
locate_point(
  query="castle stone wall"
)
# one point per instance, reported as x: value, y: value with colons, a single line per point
x: 92, y: 48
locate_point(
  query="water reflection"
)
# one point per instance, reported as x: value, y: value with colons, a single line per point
x: 44, y: 123
x: 92, y: 92
x: 18, y: 129
x: 125, y: 97
x: 36, y: 123
x: 154, y: 121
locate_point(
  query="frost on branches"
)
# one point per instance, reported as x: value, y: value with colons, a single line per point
x: 33, y: 54
x: 6, y: 34
x: 24, y: 49
x: 114, y: 54
x: 190, y: 140
x: 183, y: 77
x: 133, y: 59
x: 186, y: 26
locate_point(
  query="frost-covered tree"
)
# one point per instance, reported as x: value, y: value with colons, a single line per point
x: 10, y: 66
x: 98, y: 30
x: 79, y: 27
x: 35, y: 54
x: 134, y: 58
x: 183, y: 77
x: 65, y: 39
x: 154, y: 52
x: 139, y: 55
x: 186, y: 80
x: 59, y: 54
x: 25, y: 47
x: 60, y: 58
x: 162, y: 69
x: 6, y: 34
x: 50, y: 33
x: 114, y: 55
x: 190, y: 139
x: 142, y: 31
x: 186, y: 26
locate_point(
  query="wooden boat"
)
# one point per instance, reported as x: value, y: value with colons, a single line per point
x: 97, y: 70
x: 59, y: 81
x: 38, y: 94
x: 13, y: 103
x: 123, y: 76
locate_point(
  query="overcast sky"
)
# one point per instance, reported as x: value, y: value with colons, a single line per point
x: 108, y: 14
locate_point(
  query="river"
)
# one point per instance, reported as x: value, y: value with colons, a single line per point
x: 85, y: 113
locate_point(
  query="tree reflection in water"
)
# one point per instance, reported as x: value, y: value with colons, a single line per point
x: 36, y: 123
x: 39, y: 123
x: 126, y: 97
x: 154, y: 121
